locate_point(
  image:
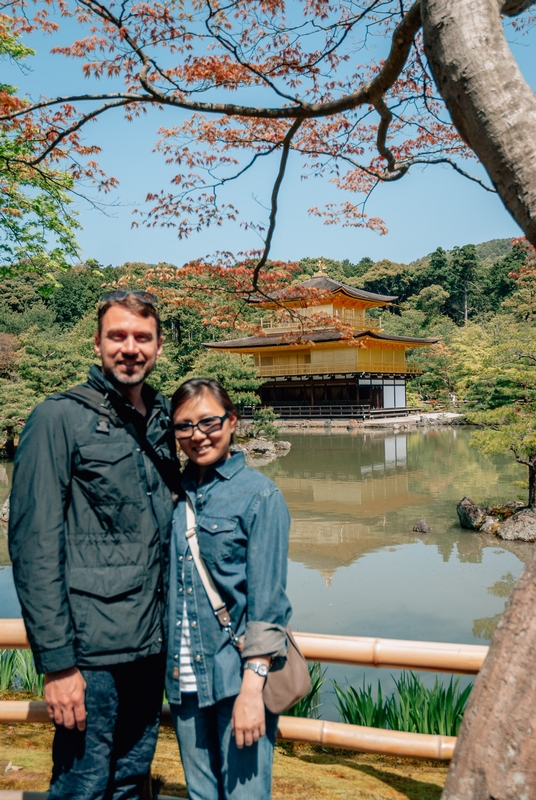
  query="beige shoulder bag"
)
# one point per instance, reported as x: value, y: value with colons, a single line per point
x: 284, y: 685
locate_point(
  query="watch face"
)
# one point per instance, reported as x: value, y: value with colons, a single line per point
x: 262, y: 669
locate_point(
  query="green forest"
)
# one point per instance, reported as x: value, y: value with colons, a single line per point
x: 478, y: 300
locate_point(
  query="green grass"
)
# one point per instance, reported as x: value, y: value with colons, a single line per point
x: 17, y: 672
x: 309, y: 705
x: 412, y: 707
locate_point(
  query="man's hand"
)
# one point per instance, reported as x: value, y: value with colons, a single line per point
x: 64, y: 696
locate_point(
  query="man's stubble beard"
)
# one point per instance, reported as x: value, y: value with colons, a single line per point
x: 126, y: 380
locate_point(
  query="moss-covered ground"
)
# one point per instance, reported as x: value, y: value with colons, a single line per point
x: 300, y: 771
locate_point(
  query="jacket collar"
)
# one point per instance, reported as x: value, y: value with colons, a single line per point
x: 225, y: 469
x: 151, y: 398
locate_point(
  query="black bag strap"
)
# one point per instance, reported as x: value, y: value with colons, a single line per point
x: 109, y: 412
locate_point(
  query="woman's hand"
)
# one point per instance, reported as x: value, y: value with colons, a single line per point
x: 248, y: 711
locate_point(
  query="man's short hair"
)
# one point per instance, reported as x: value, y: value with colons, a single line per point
x: 134, y: 304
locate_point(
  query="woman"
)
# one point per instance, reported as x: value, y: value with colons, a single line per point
x: 225, y: 734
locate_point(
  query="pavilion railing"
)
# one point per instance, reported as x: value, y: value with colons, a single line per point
x: 350, y: 367
x: 352, y: 650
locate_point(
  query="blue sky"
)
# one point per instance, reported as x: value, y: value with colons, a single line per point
x: 427, y: 208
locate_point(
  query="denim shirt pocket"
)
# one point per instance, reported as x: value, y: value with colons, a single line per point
x: 216, y: 537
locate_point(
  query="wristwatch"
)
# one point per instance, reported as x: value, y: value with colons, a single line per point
x: 258, y: 667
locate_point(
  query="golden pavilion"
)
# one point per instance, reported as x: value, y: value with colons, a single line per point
x: 325, y: 355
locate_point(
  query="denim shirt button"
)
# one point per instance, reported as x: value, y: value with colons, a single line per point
x: 176, y: 656
x: 198, y: 658
x: 180, y: 558
x: 178, y: 623
x: 193, y: 623
x: 189, y: 558
x: 180, y: 589
x: 188, y: 591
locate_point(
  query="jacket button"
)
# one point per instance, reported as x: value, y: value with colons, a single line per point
x: 159, y: 638
x: 176, y: 656
x: 214, y: 527
x: 188, y: 558
x: 199, y: 496
x: 178, y: 623
x: 180, y: 590
x: 180, y: 558
x: 198, y: 658
x: 188, y: 591
x: 194, y: 624
x: 149, y: 493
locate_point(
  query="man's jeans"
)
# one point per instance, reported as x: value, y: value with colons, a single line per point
x: 215, y: 768
x: 111, y: 758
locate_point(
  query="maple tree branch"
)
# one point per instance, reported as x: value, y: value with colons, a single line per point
x: 511, y: 8
x: 401, y: 168
x: 381, y: 140
x: 275, y: 192
x: 127, y: 98
x: 75, y: 127
x: 393, y: 65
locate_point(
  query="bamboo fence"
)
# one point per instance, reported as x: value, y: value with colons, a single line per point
x: 351, y: 650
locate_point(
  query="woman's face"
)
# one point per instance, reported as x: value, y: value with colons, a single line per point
x: 204, y: 448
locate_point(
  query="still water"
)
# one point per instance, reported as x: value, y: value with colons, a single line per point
x: 355, y: 566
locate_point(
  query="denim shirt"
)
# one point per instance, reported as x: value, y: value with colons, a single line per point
x: 243, y: 529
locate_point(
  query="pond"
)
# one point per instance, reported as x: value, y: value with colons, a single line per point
x: 355, y: 565
x: 356, y: 568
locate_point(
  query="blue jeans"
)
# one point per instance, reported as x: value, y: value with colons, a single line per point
x: 111, y: 758
x: 215, y: 768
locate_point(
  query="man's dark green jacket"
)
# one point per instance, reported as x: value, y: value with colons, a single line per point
x: 89, y: 528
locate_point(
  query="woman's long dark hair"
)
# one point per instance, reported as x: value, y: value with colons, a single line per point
x: 197, y: 387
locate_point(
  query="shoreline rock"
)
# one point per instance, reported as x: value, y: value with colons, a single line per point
x: 520, y: 527
x: 512, y: 521
x: 422, y: 526
x: 260, y: 452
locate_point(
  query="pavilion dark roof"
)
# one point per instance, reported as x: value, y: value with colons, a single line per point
x: 279, y: 339
x: 324, y: 284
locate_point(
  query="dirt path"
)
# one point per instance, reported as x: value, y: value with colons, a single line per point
x: 301, y: 772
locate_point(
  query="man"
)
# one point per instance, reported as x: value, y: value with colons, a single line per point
x: 90, y: 519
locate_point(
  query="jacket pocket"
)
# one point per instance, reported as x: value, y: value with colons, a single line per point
x: 216, y: 535
x: 107, y: 608
x: 106, y: 469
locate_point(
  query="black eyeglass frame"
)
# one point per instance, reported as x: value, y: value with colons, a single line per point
x: 122, y: 294
x: 192, y: 426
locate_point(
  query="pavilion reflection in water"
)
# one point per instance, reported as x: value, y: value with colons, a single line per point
x: 338, y: 506
x: 354, y: 495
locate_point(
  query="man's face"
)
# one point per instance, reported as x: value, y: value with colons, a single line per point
x: 128, y: 346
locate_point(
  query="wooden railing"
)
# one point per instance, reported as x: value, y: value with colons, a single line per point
x: 332, y: 368
x: 356, y: 322
x: 352, y: 650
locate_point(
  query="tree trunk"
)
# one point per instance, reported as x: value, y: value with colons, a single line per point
x: 465, y: 309
x: 490, y: 103
x: 495, y: 757
x: 532, y: 481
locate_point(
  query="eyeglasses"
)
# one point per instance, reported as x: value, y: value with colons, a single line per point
x: 185, y: 430
x: 122, y: 294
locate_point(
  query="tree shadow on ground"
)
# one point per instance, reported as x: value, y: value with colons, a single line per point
x: 413, y: 788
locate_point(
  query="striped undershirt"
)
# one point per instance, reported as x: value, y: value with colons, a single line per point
x: 188, y: 682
